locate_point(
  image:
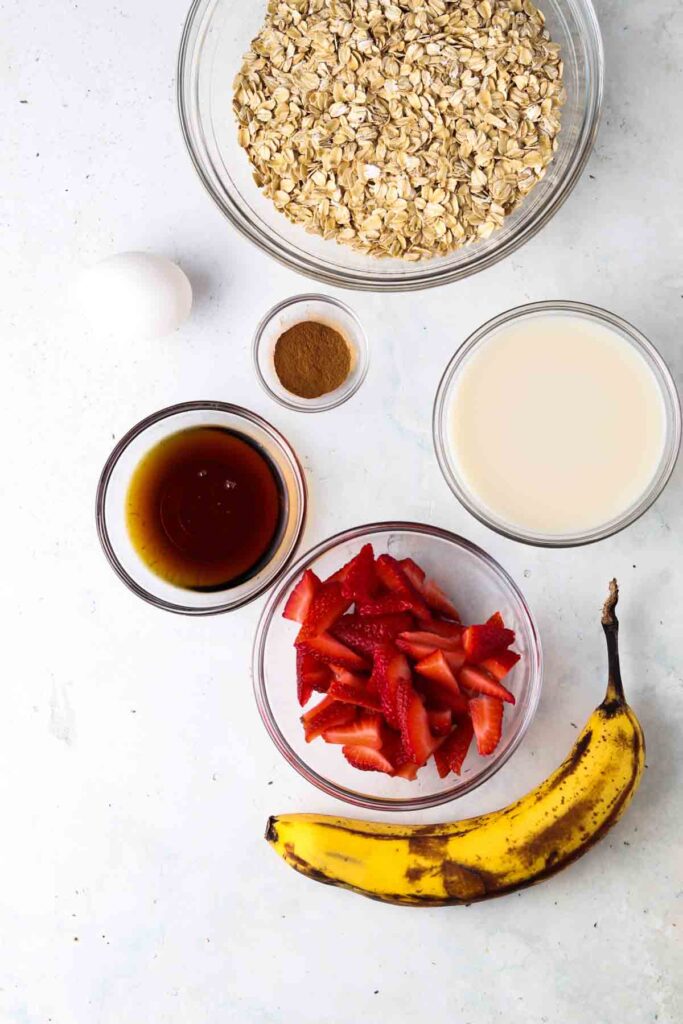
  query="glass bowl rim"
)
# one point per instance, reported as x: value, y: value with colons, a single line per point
x: 416, y: 279
x: 343, y: 392
x: 139, y: 428
x: 665, y: 382
x: 534, y: 685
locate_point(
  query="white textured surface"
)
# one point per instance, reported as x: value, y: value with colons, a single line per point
x: 136, y: 776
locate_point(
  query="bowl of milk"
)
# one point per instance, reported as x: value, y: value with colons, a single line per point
x: 557, y: 424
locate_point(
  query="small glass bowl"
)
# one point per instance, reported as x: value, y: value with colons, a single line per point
x: 479, y: 586
x: 631, y: 336
x: 323, y: 310
x: 116, y: 477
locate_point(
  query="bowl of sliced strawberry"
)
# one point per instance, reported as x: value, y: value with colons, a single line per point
x: 397, y: 666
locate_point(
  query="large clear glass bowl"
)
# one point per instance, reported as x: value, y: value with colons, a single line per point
x: 479, y: 587
x: 217, y: 34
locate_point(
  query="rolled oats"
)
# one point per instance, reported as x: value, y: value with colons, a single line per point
x: 403, y: 128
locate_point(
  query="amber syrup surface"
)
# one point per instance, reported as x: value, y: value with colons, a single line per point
x: 204, y: 509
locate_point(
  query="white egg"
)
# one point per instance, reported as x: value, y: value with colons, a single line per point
x: 135, y: 295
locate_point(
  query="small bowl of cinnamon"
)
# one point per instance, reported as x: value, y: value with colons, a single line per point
x: 311, y: 353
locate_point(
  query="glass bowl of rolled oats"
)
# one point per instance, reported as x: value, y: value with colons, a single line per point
x: 390, y: 145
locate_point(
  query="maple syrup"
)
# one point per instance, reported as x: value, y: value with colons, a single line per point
x: 204, y: 509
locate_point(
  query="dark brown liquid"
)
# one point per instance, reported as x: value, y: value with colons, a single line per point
x: 204, y: 509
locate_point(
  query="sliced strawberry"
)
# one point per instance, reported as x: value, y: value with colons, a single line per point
x: 345, y: 675
x: 433, y: 640
x: 366, y: 759
x: 487, y: 719
x: 387, y: 604
x: 326, y: 648
x: 299, y: 601
x: 444, y: 628
x: 428, y: 590
x: 360, y: 578
x: 480, y: 642
x: 311, y: 675
x: 407, y: 771
x: 366, y: 731
x: 496, y: 620
x: 328, y: 605
x: 455, y: 659
x: 339, y: 576
x: 416, y: 652
x: 500, y: 664
x: 434, y: 692
x: 325, y: 715
x: 392, y: 747
x: 364, y: 634
x: 440, y: 721
x: 353, y: 689
x: 418, y: 741
x: 452, y: 753
x: 437, y: 667
x: 437, y: 600
x: 392, y: 576
x: 415, y: 574
x: 391, y: 674
x: 480, y: 681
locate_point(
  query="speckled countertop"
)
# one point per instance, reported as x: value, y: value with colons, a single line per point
x: 136, y: 776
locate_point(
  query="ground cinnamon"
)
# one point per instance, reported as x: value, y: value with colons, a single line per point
x: 312, y: 359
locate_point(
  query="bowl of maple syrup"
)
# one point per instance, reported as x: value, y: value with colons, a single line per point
x: 200, y: 507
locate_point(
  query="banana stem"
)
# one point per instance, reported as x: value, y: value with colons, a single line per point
x: 610, y: 624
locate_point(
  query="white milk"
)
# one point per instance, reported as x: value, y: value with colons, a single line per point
x: 557, y: 424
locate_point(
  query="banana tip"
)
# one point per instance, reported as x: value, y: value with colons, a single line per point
x: 271, y: 830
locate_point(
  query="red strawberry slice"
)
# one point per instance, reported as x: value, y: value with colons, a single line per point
x: 500, y: 664
x: 366, y: 759
x: 444, y: 628
x: 353, y: 689
x: 326, y: 648
x: 480, y: 681
x: 328, y: 604
x: 345, y: 675
x: 299, y: 601
x: 407, y: 771
x: 311, y: 675
x: 392, y: 576
x: 438, y: 667
x: 440, y: 721
x: 430, y: 591
x: 433, y: 640
x: 437, y: 600
x: 364, y: 634
x: 487, y: 720
x: 387, y: 604
x: 391, y: 674
x: 366, y: 731
x: 434, y: 692
x: 415, y: 574
x: 360, y: 578
x: 418, y: 741
x: 452, y: 753
x: 325, y: 715
x: 481, y: 642
x: 393, y: 749
x: 416, y: 652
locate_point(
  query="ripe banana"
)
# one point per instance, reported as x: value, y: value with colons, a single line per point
x: 494, y: 854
